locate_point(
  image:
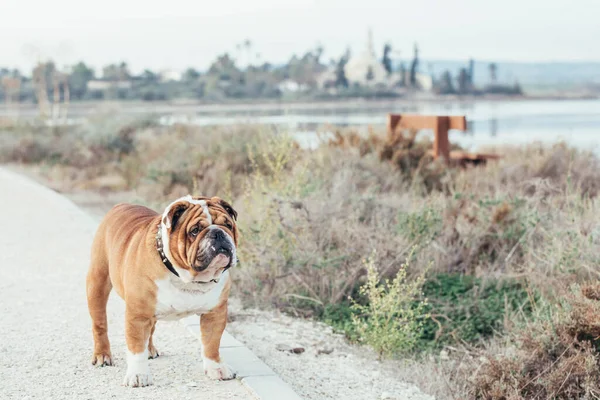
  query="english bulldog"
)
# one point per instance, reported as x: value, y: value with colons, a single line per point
x: 165, y: 267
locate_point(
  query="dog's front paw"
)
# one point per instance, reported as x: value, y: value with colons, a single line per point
x: 138, y: 372
x: 218, y: 370
x: 102, y: 359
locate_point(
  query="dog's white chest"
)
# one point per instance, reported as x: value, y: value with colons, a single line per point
x: 178, y: 301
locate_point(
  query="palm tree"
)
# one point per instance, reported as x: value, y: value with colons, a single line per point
x: 248, y: 47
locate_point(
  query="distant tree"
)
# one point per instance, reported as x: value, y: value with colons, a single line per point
x: 445, y: 85
x: 124, y: 73
x: 13, y: 73
x: 318, y: 53
x: 148, y: 76
x: 471, y: 71
x: 80, y: 75
x: 305, y: 69
x: 296, y: 69
x: 266, y: 67
x: 248, y: 47
x: 224, y: 68
x: 370, y: 75
x: 51, y: 69
x: 414, y: 67
x: 43, y: 78
x: 116, y: 72
x: 510, y: 90
x: 386, y: 60
x: 402, y: 74
x: 517, y: 89
x: 110, y: 72
x: 340, y: 73
x: 463, y: 81
x: 190, y: 75
x: 493, y: 71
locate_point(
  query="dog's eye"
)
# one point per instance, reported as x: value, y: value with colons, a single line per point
x: 195, y: 231
x: 229, y: 225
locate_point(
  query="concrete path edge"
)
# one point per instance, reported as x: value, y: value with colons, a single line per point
x: 257, y: 376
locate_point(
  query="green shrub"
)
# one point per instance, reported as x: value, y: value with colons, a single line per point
x: 464, y: 308
x: 422, y: 225
x: 392, y: 320
x: 339, y: 316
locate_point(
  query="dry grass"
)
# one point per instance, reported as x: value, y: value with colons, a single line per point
x: 158, y: 162
x: 402, y: 151
x: 553, y: 357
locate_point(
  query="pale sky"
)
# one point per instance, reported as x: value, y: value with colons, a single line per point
x: 180, y: 33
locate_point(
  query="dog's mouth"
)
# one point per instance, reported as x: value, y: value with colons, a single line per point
x: 218, y: 262
x: 221, y: 262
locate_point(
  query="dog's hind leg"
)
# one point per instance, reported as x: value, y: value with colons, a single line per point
x: 98, y: 286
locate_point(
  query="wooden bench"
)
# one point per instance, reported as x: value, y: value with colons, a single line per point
x: 440, y: 125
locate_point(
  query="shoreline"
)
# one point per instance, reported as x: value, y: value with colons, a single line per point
x: 86, y: 108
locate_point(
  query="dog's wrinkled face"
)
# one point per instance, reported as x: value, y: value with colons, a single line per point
x: 200, y: 237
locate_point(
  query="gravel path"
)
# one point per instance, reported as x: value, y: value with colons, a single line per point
x: 329, y: 368
x: 45, y: 329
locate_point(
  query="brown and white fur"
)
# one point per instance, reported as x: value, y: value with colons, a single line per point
x: 199, y: 237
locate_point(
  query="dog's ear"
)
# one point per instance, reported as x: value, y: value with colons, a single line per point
x: 227, y: 207
x: 173, y: 213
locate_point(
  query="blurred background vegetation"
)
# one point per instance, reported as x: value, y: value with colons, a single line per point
x: 304, y: 76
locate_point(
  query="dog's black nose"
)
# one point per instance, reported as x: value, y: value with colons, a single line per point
x: 219, y: 235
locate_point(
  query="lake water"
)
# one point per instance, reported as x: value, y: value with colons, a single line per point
x: 490, y: 122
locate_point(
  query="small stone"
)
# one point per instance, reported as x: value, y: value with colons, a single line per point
x: 192, y: 384
x: 444, y: 355
x: 325, y: 350
x: 386, y: 396
x: 291, y: 349
x: 283, y: 347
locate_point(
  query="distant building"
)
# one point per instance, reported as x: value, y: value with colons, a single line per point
x: 101, y: 84
x: 170, y: 75
x: 424, y: 81
x: 365, y: 69
x: 292, y: 86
